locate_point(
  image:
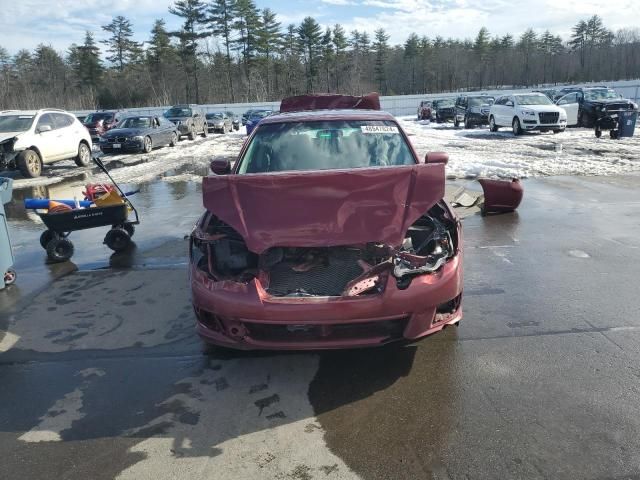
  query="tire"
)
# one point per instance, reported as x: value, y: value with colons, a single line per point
x: 515, y: 125
x: 174, y: 139
x: 236, y: 128
x: 205, y: 131
x: 598, y: 133
x: 467, y: 124
x: 30, y: 164
x: 613, y: 134
x: 584, y: 120
x: 147, y: 144
x: 492, y: 125
x: 456, y: 123
x: 46, y: 237
x: 129, y: 228
x: 10, y: 277
x: 59, y: 250
x: 558, y: 130
x: 117, y: 239
x: 84, y: 155
x: 192, y: 134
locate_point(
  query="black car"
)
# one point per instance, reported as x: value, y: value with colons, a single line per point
x: 445, y: 109
x: 588, y: 107
x: 235, y: 121
x: 139, y: 134
x: 189, y: 119
x: 472, y: 110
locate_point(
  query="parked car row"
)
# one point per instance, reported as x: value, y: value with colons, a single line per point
x: 541, y: 110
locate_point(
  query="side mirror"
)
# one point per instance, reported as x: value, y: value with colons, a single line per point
x: 220, y: 166
x: 44, y: 128
x: 436, y: 157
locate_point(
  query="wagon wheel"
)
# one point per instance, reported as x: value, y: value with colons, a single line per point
x: 10, y: 277
x: 117, y: 239
x: 46, y: 237
x: 59, y: 250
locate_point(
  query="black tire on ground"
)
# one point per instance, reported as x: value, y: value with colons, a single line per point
x: 205, y: 131
x: 613, y: 134
x: 558, y: 130
x: 598, y: 133
x: 117, y: 239
x: 467, y: 124
x: 84, y: 155
x: 30, y: 164
x: 515, y: 125
x: 492, y: 125
x: 59, y: 250
x: 236, y: 127
x: 10, y: 277
x: 192, y: 135
x: 456, y: 123
x: 46, y: 237
x: 174, y: 139
x: 129, y: 228
x: 584, y: 120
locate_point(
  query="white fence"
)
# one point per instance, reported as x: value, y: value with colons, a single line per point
x: 398, y: 105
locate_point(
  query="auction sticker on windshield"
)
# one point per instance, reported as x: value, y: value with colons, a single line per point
x: 378, y: 129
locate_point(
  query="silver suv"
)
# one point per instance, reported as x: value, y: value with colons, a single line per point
x: 189, y: 119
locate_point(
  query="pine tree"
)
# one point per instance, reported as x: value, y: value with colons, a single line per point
x: 381, y: 48
x: 327, y: 55
x: 221, y: 17
x: 340, y: 45
x: 161, y: 56
x: 121, y: 47
x: 86, y: 62
x: 247, y: 24
x: 411, y: 47
x: 193, y: 13
x: 309, y: 38
x: 269, y: 40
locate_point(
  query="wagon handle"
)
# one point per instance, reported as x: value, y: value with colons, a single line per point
x: 98, y: 162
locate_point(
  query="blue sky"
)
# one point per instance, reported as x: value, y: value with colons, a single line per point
x: 26, y: 23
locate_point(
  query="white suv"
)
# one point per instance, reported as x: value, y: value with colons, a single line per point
x: 527, y: 111
x: 30, y: 139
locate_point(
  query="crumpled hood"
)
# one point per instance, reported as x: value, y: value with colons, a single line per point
x: 324, y: 208
x: 8, y: 135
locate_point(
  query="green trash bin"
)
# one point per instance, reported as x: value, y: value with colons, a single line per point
x: 7, y: 273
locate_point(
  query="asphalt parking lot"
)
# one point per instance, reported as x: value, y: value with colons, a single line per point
x: 103, y: 377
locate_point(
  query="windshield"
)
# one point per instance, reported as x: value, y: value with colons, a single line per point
x: 444, y: 103
x: 326, y: 145
x: 604, y: 94
x: 178, y: 112
x: 533, y: 99
x: 135, y: 122
x: 260, y: 114
x: 210, y: 116
x: 97, y: 117
x: 476, y: 101
x: 15, y: 123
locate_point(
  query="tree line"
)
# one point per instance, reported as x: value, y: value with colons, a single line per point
x: 230, y: 51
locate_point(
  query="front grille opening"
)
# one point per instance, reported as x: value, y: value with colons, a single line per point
x: 549, y: 117
x: 387, y: 330
x: 445, y: 311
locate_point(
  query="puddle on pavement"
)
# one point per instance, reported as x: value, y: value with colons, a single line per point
x: 168, y: 211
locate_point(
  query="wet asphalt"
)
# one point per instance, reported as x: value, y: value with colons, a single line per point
x: 102, y: 375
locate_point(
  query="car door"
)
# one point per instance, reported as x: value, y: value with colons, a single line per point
x: 496, y: 110
x: 570, y: 105
x: 67, y: 136
x: 166, y: 129
x: 509, y: 111
x: 47, y: 139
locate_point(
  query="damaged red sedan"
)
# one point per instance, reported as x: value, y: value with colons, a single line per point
x: 328, y: 232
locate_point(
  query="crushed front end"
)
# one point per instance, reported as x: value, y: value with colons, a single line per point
x: 341, y: 296
x: 8, y: 155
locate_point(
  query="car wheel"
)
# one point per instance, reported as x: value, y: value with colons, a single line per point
x: 517, y: 129
x: 147, y: 146
x: 117, y: 239
x: 30, y: 164
x: 584, y: 120
x: 10, y: 277
x: 456, y: 123
x: 46, y: 237
x: 492, y: 124
x: 192, y: 134
x: 174, y: 139
x: 598, y: 133
x: 613, y: 134
x: 558, y: 130
x: 84, y: 155
x: 467, y: 124
x: 59, y: 250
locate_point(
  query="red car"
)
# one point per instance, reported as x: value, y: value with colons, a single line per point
x: 98, y: 123
x: 328, y: 232
x: 425, y: 110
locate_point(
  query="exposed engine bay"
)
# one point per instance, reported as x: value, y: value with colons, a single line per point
x: 221, y: 253
x: 8, y: 155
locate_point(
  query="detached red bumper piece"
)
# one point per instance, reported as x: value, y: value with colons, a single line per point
x: 501, y: 196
